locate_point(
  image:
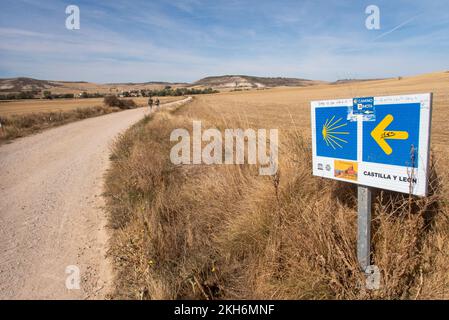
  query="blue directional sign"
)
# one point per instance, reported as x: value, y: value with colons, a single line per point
x: 394, y: 137
x: 374, y: 141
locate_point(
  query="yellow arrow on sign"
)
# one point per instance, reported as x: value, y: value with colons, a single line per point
x: 379, y: 134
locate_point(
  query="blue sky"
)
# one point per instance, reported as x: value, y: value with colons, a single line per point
x: 184, y: 40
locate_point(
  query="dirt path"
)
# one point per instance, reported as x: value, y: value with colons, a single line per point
x: 50, y: 210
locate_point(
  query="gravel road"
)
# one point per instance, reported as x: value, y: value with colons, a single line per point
x: 51, y: 217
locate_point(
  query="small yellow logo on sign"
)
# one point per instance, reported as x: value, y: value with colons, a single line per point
x: 345, y: 170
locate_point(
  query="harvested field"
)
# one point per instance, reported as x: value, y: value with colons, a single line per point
x: 39, y: 105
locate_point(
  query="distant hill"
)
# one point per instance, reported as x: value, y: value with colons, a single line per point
x: 16, y: 85
x: 341, y: 81
x: 157, y: 83
x: 25, y: 84
x: 242, y: 81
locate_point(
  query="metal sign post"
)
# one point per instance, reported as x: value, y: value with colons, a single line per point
x: 364, y: 226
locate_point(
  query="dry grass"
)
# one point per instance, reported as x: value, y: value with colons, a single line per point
x: 16, y: 126
x: 223, y: 232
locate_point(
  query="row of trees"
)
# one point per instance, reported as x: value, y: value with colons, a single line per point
x: 83, y: 95
x: 47, y: 95
x: 19, y: 96
x: 168, y: 91
x: 50, y: 96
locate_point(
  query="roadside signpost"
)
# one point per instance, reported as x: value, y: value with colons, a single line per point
x: 380, y: 142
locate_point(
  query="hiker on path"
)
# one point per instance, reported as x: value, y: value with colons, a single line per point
x: 150, y: 103
x: 157, y: 103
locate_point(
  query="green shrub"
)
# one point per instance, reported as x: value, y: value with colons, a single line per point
x: 113, y: 101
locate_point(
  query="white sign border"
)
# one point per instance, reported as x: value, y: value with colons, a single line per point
x: 425, y: 101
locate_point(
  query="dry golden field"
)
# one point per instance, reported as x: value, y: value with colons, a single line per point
x: 286, y: 108
x: 39, y: 105
x: 224, y: 232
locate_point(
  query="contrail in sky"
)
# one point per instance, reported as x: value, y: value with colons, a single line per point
x: 396, y: 28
